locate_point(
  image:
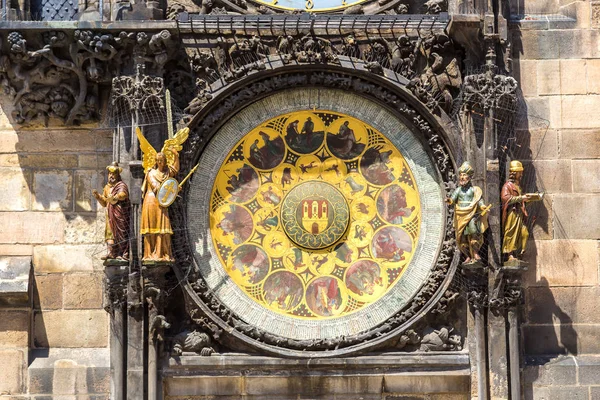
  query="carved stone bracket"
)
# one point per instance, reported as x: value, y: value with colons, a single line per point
x: 154, y: 294
x: 115, y: 287
x: 205, y: 303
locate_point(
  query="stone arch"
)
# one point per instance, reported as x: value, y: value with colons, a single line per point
x: 436, y: 136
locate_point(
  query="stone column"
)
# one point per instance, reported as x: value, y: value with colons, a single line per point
x: 154, y: 281
x: 115, y: 290
x: 135, y: 306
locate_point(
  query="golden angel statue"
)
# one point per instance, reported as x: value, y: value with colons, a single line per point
x: 155, y: 225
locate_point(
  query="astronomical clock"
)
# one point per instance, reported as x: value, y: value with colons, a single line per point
x: 316, y: 216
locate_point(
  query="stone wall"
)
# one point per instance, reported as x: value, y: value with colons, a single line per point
x: 557, y: 62
x: 49, y: 217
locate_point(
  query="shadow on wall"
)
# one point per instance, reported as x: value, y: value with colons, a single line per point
x: 547, y: 330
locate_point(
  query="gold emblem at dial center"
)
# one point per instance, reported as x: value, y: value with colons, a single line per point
x: 315, y: 215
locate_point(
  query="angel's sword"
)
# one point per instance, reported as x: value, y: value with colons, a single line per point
x: 169, y: 113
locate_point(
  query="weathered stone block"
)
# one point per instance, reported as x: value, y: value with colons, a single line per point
x: 539, y: 106
x: 52, y: 191
x: 586, y: 176
x: 16, y: 249
x: 96, y: 161
x: 48, y: 291
x: 543, y: 144
x: 313, y: 385
x: 580, y: 111
x: 593, y: 76
x: 82, y: 291
x: 8, y: 141
x: 85, y: 228
x: 14, y: 328
x: 575, y: 304
x: 66, y: 258
x: 31, y: 227
x: 572, y: 216
x: 15, y: 195
x: 550, y: 339
x: 595, y: 393
x: 552, y: 176
x: 589, y: 341
x: 572, y: 73
x: 550, y: 372
x: 528, y: 77
x: 203, y: 386
x: 54, y: 161
x: 557, y: 393
x: 539, y: 45
x: 564, y: 262
x: 580, y: 143
x: 14, y: 281
x: 589, y: 370
x: 9, y: 160
x: 46, y: 141
x: 13, y: 364
x: 562, y: 338
x: 71, y: 328
x: 428, y: 382
x: 85, y: 182
x: 576, y: 43
x: 62, y: 372
x: 548, y: 77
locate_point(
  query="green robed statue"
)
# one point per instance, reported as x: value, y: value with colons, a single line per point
x: 470, y: 219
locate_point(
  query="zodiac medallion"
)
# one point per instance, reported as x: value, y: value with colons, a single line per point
x: 315, y: 214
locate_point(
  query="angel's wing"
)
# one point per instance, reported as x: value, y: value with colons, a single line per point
x: 175, y: 144
x: 149, y: 157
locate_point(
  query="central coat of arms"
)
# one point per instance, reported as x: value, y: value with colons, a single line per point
x: 315, y: 215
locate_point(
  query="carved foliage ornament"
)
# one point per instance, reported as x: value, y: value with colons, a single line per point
x: 204, y: 301
x: 55, y: 74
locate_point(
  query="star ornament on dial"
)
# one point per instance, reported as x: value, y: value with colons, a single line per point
x: 311, y: 5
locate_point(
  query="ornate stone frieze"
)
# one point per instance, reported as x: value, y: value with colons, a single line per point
x: 429, y: 62
x: 56, y: 74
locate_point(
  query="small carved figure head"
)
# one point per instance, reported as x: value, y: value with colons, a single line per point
x: 465, y: 174
x: 515, y: 171
x: 161, y: 161
x: 114, y: 173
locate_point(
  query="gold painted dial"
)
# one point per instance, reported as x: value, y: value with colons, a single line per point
x: 315, y: 214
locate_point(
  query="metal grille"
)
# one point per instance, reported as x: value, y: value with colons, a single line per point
x: 53, y: 10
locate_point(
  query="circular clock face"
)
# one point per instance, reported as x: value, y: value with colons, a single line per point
x: 311, y: 5
x: 319, y: 224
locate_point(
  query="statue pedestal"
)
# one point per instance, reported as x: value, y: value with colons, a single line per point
x: 515, y: 265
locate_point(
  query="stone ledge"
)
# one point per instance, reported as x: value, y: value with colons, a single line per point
x: 69, y: 371
x: 370, y: 376
x: 14, y: 281
x: 395, y: 361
